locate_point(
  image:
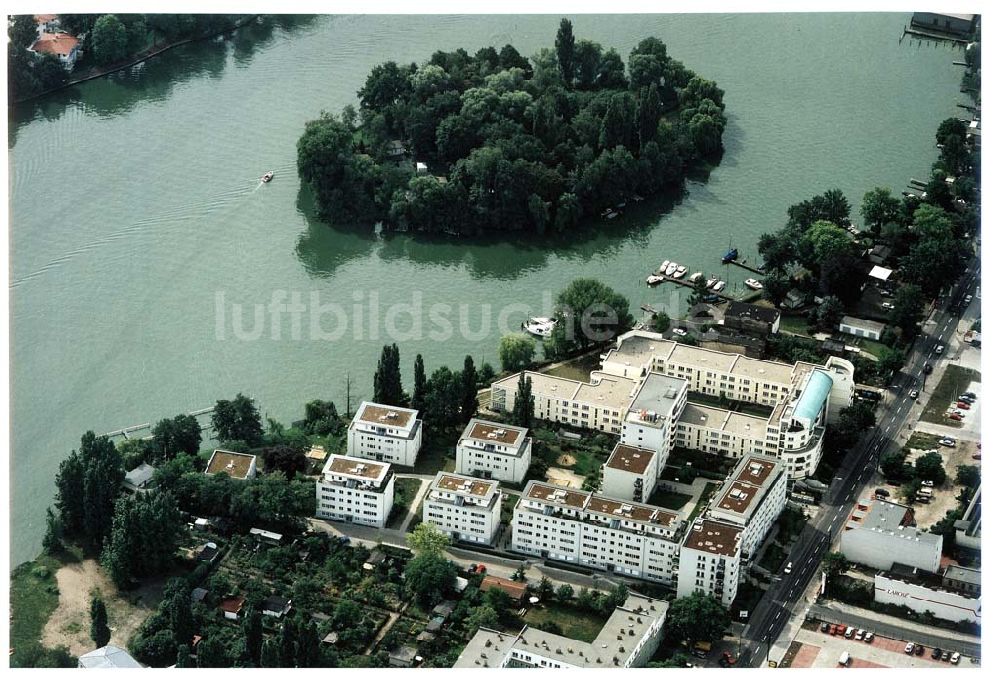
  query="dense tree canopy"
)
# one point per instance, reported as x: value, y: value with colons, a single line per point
x: 512, y: 144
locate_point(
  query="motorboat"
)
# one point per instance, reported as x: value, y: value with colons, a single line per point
x: 731, y: 255
x: 268, y: 176
x: 696, y: 277
x: 719, y: 286
x: 754, y: 284
x: 681, y: 271
x: 671, y: 268
x: 611, y: 215
x: 539, y: 326
x: 655, y: 279
x: 712, y: 281
x: 663, y: 267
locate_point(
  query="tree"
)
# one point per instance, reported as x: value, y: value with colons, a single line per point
x: 237, y: 421
x: 181, y: 619
x: 99, y: 631
x: 419, y: 399
x: 87, y: 484
x: 486, y: 375
x: 183, y: 657
x: 144, y: 534
x: 427, y: 539
x: 516, y: 351
x: 444, y: 397
x: 524, y: 402
x: 894, y: 466
x: 286, y: 459
x: 929, y: 467
x: 109, y: 40
x: 429, y: 576
x: 857, y: 417
x: 565, y: 51
x: 286, y: 644
x: 469, y: 391
x: 835, y: 563
x: 968, y: 475
x: 322, y: 418
x: 213, y: 653
x: 307, y: 652
x: 697, y: 617
x: 829, y: 313
x: 593, y: 312
x: 483, y: 616
x: 388, y: 382
x: 879, y: 208
x: 181, y: 434
x: 52, y: 541
x: 564, y: 593
x: 21, y: 30
x: 909, y: 310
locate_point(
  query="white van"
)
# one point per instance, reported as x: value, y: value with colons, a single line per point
x: 849, y: 633
x: 845, y: 659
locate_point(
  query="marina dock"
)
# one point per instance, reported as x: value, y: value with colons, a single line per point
x: 126, y: 431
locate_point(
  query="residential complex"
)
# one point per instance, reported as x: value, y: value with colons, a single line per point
x: 355, y: 490
x: 385, y: 433
x: 492, y: 451
x: 646, y: 383
x: 465, y: 508
x: 580, y: 527
x: 628, y: 639
x: 880, y: 534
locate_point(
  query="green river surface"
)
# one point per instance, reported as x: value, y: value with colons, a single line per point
x: 135, y: 205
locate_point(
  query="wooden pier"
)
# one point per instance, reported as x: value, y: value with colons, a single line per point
x: 126, y: 431
x: 743, y: 263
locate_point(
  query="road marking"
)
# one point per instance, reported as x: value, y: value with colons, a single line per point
x: 830, y: 528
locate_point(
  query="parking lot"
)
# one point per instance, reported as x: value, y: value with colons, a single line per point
x: 815, y: 649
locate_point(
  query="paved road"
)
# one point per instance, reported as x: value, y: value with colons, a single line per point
x: 890, y: 431
x: 898, y: 632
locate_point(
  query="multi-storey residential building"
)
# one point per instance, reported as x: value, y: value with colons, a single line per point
x: 653, y: 416
x: 385, y: 433
x: 630, y: 474
x: 597, y: 405
x: 711, y: 560
x: 465, y: 508
x: 355, y: 490
x: 583, y: 528
x: 752, y: 497
x: 879, y: 534
x: 628, y: 639
x: 493, y: 451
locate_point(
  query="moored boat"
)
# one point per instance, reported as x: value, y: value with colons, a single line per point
x: 712, y: 280
x: 539, y: 326
x: 754, y: 284
x: 696, y: 277
x: 681, y: 271
x: 655, y: 279
x: 719, y: 286
x: 663, y: 267
x: 671, y: 268
x: 731, y: 255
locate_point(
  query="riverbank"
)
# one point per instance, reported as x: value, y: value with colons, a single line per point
x: 156, y: 49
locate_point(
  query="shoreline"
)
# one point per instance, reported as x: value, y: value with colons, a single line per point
x: 132, y: 61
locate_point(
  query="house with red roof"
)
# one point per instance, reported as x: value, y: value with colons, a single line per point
x: 62, y: 45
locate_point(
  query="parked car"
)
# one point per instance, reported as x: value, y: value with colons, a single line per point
x: 824, y: 627
x: 947, y: 441
x: 909, y: 648
x: 860, y: 635
x: 955, y: 658
x: 481, y: 569
x: 869, y: 636
x: 888, y: 305
x: 472, y: 568
x: 841, y: 628
x: 788, y: 568
x: 919, y: 650
x: 977, y: 456
x: 971, y: 394
x: 679, y: 331
x: 967, y: 299
x: 927, y: 482
x: 962, y: 405
x: 849, y: 633
x: 728, y: 659
x: 936, y: 654
x: 955, y: 416
x: 882, y: 493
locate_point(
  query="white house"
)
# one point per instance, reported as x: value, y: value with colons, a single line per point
x: 710, y: 560
x: 880, y: 534
x: 236, y: 465
x: 862, y: 328
x: 385, y: 433
x: 493, y: 451
x: 465, y: 508
x: 355, y: 490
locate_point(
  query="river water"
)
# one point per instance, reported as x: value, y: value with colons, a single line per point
x: 138, y: 221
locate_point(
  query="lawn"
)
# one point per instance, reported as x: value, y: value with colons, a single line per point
x: 573, y: 622
x: 437, y: 452
x: 406, y: 490
x: 955, y: 380
x: 578, y: 368
x: 34, y: 595
x: 703, y: 500
x: 798, y: 325
x: 922, y: 441
x: 668, y: 499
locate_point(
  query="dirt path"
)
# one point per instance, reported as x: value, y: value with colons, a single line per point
x: 69, y: 624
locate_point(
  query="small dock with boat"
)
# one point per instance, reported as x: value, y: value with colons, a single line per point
x: 674, y: 272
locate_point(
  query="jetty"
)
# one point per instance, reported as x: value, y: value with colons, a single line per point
x: 743, y: 263
x: 132, y: 429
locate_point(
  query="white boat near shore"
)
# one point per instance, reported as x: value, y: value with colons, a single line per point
x: 681, y: 271
x: 753, y: 284
x: 719, y: 286
x: 655, y: 279
x: 663, y: 267
x: 539, y: 326
x: 696, y: 277
x: 671, y: 268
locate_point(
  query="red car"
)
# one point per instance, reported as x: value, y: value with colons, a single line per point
x: 481, y: 569
x: 962, y: 405
x: 955, y: 416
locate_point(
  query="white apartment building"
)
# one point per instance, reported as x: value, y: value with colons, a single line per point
x: 465, y: 508
x: 752, y: 497
x: 385, y: 433
x: 643, y: 618
x: 630, y: 474
x: 598, y: 405
x: 711, y: 560
x: 355, y: 490
x: 580, y: 527
x: 493, y: 451
x: 653, y: 416
x: 880, y: 533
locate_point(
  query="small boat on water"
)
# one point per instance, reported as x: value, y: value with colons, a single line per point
x: 605, y: 212
x: 611, y: 215
x: 696, y: 277
x: 719, y: 286
x: 671, y: 268
x: 663, y: 267
x: 268, y: 176
x: 733, y: 254
x: 754, y: 284
x: 539, y: 326
x: 681, y: 271
x: 655, y: 279
x: 712, y: 280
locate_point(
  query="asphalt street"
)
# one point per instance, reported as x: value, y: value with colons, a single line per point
x: 774, y: 609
